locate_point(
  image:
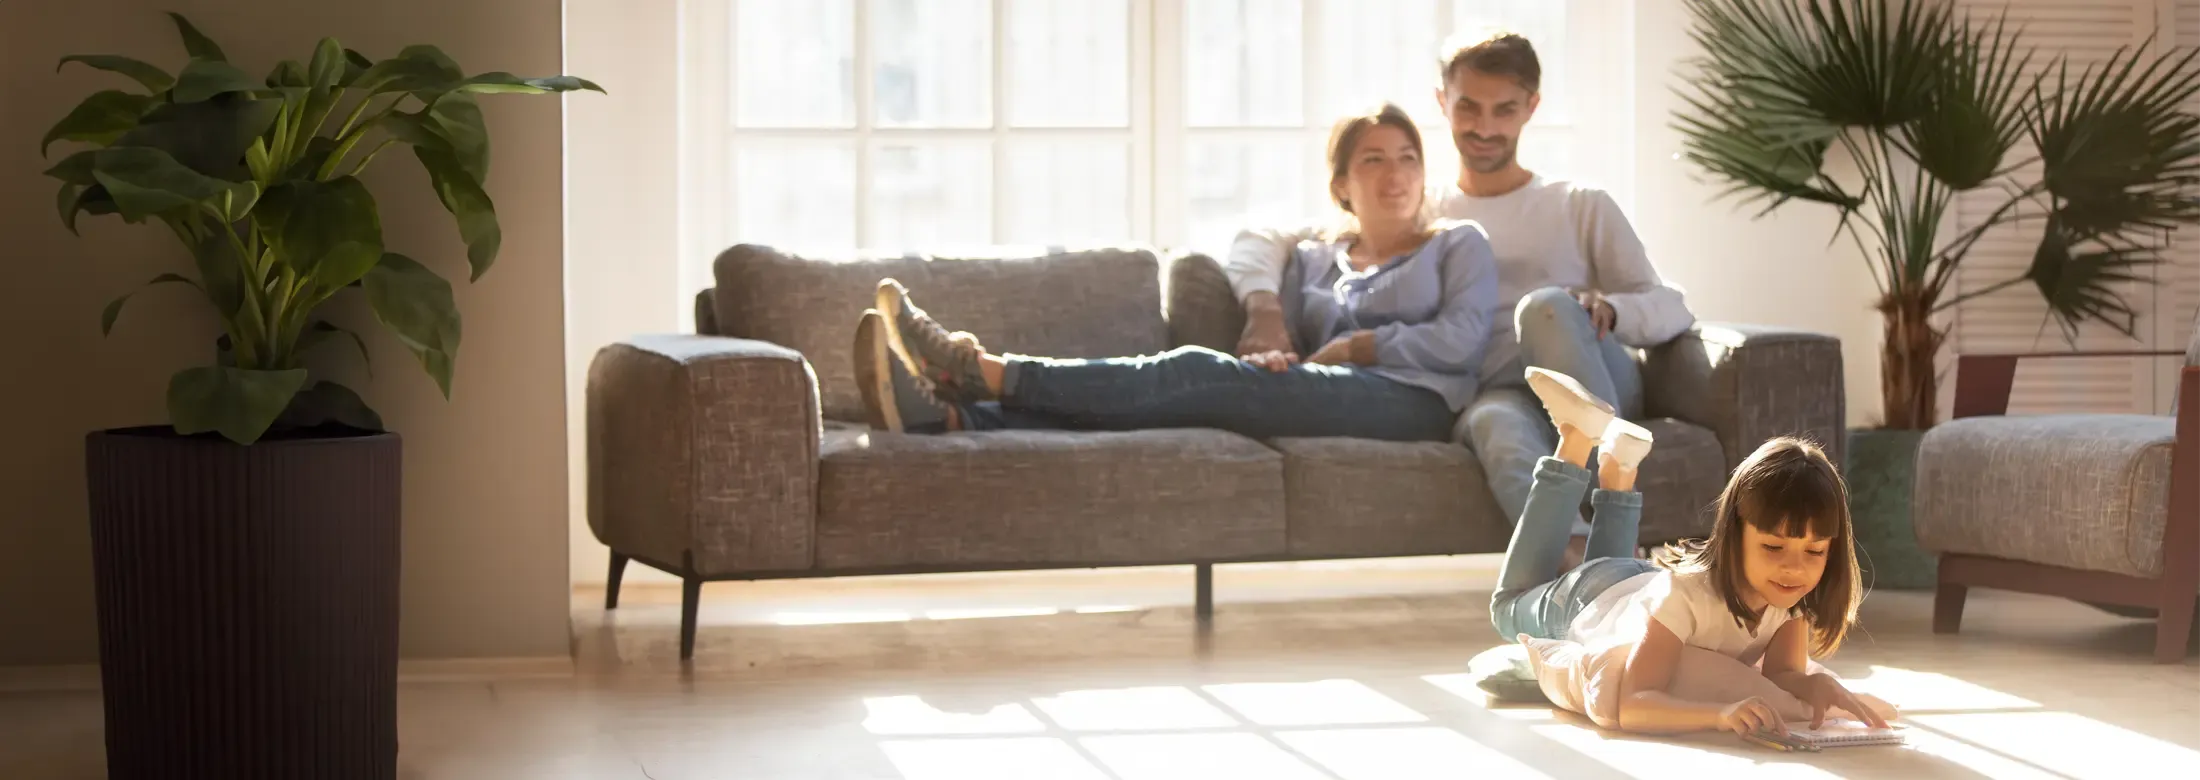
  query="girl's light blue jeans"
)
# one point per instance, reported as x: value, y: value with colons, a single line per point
x: 1532, y: 596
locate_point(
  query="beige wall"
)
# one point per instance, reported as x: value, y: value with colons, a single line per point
x: 1776, y: 270
x: 623, y: 232
x: 485, y: 493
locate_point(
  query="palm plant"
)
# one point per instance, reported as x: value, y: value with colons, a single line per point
x: 1928, y: 105
x: 267, y: 198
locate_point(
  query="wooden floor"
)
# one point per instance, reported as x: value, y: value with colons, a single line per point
x: 1337, y: 671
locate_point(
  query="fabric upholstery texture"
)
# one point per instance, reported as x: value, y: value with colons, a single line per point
x: 2082, y: 491
x: 1096, y: 303
x: 1679, y: 481
x: 1360, y: 497
x: 1202, y: 309
x: 1007, y: 498
x: 703, y: 445
x: 1749, y: 383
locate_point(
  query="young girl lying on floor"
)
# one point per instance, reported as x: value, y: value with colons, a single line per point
x: 1776, y: 582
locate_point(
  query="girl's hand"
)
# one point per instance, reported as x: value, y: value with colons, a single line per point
x: 1750, y: 716
x: 1826, y: 693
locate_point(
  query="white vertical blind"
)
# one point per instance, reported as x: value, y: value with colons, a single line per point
x: 2016, y: 319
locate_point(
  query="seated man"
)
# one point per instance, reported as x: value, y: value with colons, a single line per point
x: 1571, y: 270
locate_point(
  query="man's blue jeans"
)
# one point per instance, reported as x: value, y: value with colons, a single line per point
x: 1507, y: 427
x: 1196, y: 387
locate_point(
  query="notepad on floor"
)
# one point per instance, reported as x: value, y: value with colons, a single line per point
x: 1843, y: 733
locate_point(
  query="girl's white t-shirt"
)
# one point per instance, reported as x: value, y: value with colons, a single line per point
x: 1686, y: 603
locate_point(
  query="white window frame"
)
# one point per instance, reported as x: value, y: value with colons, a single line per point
x: 1156, y: 132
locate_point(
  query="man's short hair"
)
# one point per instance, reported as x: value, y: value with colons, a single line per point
x: 1501, y: 54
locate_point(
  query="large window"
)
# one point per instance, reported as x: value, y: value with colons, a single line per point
x: 943, y: 125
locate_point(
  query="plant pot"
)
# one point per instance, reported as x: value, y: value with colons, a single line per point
x: 1882, y: 472
x: 247, y: 603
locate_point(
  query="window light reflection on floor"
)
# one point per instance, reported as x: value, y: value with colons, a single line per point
x: 1410, y: 753
x: 2064, y: 743
x: 1198, y: 757
x: 1930, y: 691
x: 840, y: 617
x: 1133, y: 709
x: 1320, y: 703
x: 910, y: 715
x: 989, y: 759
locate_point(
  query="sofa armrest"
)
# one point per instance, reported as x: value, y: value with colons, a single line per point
x: 703, y: 453
x: 1749, y: 383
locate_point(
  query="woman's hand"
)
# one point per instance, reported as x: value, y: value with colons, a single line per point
x: 1750, y: 716
x: 1338, y: 352
x: 1274, y: 360
x: 1265, y: 330
x: 1823, y: 693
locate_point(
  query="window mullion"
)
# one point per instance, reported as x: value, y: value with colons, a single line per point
x: 1141, y: 136
x: 999, y: 191
x: 863, y: 67
x: 1166, y: 165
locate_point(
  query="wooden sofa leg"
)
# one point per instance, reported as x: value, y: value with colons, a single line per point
x: 1203, y: 593
x: 611, y: 582
x: 691, y: 593
x: 2173, y: 628
x: 1948, y: 605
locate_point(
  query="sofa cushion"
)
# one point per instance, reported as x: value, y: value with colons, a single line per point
x: 1096, y: 303
x: 1680, y: 481
x: 2082, y: 491
x: 1013, y: 498
x: 1350, y: 497
x: 1203, y: 309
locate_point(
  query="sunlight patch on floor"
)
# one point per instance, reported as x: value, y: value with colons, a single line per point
x: 910, y: 715
x: 1198, y: 757
x: 2072, y: 745
x: 1929, y: 691
x: 1406, y: 754
x: 989, y: 759
x: 1651, y: 758
x: 1134, y: 709
x: 1320, y: 703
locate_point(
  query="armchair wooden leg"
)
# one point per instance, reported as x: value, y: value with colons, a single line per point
x: 611, y: 582
x: 2173, y: 628
x: 1948, y: 605
x: 691, y: 593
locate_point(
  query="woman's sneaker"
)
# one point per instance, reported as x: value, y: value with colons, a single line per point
x: 948, y: 361
x: 1571, y: 404
x: 892, y: 399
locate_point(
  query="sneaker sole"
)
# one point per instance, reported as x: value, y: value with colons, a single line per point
x: 888, y: 302
x: 1556, y: 389
x: 873, y: 374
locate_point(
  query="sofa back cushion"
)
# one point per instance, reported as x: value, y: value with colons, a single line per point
x: 1091, y: 303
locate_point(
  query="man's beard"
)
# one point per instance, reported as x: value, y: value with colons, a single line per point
x: 1487, y: 164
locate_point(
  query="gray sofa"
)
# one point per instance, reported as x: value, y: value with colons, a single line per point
x: 728, y: 453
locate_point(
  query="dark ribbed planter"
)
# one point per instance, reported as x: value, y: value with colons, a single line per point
x: 1882, y: 474
x: 247, y: 604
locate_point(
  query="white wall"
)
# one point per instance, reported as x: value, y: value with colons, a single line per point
x: 1777, y: 270
x: 622, y: 227
x: 485, y: 480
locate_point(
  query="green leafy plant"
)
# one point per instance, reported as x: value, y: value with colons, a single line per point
x: 1928, y: 105
x: 259, y: 177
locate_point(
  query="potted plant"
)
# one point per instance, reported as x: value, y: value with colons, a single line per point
x: 1925, y: 106
x: 246, y: 554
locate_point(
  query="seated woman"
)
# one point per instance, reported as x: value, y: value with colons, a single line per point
x: 1392, y: 311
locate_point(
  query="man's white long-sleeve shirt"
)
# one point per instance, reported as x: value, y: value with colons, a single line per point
x: 1545, y: 234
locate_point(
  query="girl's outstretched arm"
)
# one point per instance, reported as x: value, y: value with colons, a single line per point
x: 1644, y: 706
x: 1787, y: 664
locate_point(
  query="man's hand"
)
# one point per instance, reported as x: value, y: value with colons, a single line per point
x: 1600, y: 310
x: 1272, y: 360
x: 1264, y: 328
x: 1825, y: 693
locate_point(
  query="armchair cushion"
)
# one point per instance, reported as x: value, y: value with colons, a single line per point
x: 2081, y: 491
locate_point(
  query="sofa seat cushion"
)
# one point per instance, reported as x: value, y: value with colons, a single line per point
x: 2081, y: 491
x: 1347, y: 497
x: 1010, y: 498
x: 1680, y: 481
x: 1093, y: 303
x: 1358, y: 497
